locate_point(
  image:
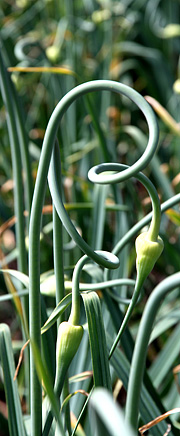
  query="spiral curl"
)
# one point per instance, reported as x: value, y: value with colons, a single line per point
x: 38, y: 200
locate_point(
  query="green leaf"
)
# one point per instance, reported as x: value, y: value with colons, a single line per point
x: 59, y: 309
x: 163, y: 324
x: 44, y: 375
x: 15, y: 419
x: 109, y: 419
x: 97, y: 340
x: 23, y: 278
x: 166, y: 358
x: 149, y: 409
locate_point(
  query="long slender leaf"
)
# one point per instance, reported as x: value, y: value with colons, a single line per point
x: 44, y: 376
x: 59, y: 309
x: 15, y: 418
x: 148, y: 408
x: 109, y: 419
x: 97, y: 339
x: 166, y: 358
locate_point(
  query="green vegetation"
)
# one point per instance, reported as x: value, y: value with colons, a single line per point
x: 89, y: 223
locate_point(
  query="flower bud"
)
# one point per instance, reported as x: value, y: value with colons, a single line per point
x: 68, y: 341
x: 147, y: 254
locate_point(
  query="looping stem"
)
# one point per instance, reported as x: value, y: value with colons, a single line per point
x: 96, y: 177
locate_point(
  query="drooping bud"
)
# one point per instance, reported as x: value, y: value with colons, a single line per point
x: 148, y: 252
x: 68, y: 341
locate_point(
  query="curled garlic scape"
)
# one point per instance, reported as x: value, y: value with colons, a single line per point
x: 149, y: 247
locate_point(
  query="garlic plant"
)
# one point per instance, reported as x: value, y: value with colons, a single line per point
x: 71, y: 332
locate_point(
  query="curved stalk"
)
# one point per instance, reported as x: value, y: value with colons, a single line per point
x: 153, y: 231
x: 37, y: 204
x: 95, y: 177
x: 141, y: 345
x: 58, y: 252
x: 139, y: 226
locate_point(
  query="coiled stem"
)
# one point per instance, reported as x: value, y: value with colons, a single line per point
x: 37, y: 205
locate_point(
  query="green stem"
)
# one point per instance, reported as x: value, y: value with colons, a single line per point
x: 58, y: 253
x: 58, y: 257
x: 75, y: 308
x: 125, y: 319
x: 57, y: 199
x: 96, y: 177
x: 119, y: 247
x: 37, y: 205
x: 139, y: 226
x: 141, y: 345
x: 73, y: 319
x: 153, y: 230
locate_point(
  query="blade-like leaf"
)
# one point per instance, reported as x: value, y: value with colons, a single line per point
x: 97, y: 339
x: 23, y: 278
x: 44, y: 376
x: 107, y: 420
x: 148, y: 408
x: 166, y: 358
x: 59, y: 309
x: 15, y: 419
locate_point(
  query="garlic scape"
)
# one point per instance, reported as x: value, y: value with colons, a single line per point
x: 69, y: 337
x: 70, y: 333
x: 68, y: 341
x: 149, y: 245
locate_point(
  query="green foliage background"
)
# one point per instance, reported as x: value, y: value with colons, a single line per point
x: 136, y: 43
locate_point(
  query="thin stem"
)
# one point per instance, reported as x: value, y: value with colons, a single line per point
x: 58, y: 257
x: 141, y: 345
x: 58, y: 252
x: 75, y: 308
x: 57, y: 199
x: 96, y: 177
x: 129, y: 311
x: 139, y: 226
x: 153, y: 230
